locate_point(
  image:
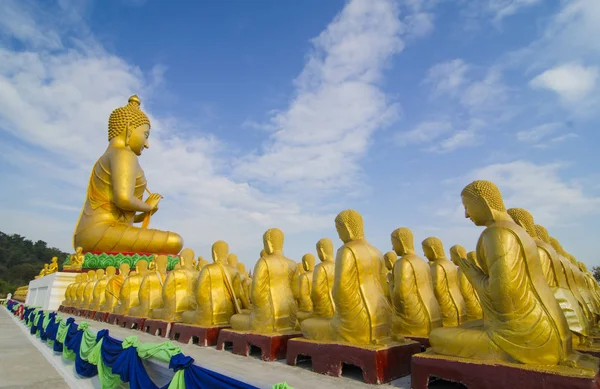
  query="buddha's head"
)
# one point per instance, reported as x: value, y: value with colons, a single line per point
x: 242, y: 268
x: 78, y: 278
x: 54, y: 260
x: 482, y: 201
x: 128, y: 126
x: 308, y: 262
x: 349, y: 225
x: 433, y: 248
x: 91, y: 275
x: 273, y: 241
x: 456, y: 252
x: 581, y: 266
x: 79, y: 250
x: 186, y: 258
x: 111, y: 271
x: 403, y: 241
x: 557, y: 246
x: 84, y: 277
x: 390, y: 258
x: 201, y: 263
x: 263, y: 253
x: 141, y: 267
x: 124, y: 269
x: 542, y: 233
x: 232, y: 260
x: 220, y: 250
x: 46, y: 266
x: 161, y: 261
x: 524, y: 219
x: 325, y: 250
x: 99, y: 273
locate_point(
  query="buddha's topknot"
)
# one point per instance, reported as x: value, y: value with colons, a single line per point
x: 130, y: 115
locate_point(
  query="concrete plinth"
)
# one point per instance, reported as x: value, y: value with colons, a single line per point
x: 132, y: 323
x: 157, y: 327
x: 114, y: 318
x: 272, y: 347
x: 48, y: 292
x: 100, y: 316
x: 202, y: 336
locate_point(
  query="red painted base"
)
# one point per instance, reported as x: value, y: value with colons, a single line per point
x: 424, y: 342
x: 81, y: 312
x: 132, y: 323
x: 61, y: 308
x: 272, y: 347
x: 378, y: 365
x: 100, y: 316
x: 479, y: 375
x: 113, y: 318
x: 157, y: 327
x: 202, y: 336
x: 89, y: 314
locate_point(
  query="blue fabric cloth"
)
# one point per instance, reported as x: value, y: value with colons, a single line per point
x: 83, y: 368
x: 36, y: 319
x: 26, y: 313
x: 130, y: 368
x: 111, y: 349
x: 197, y: 377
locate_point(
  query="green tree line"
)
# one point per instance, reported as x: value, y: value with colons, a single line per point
x: 22, y: 259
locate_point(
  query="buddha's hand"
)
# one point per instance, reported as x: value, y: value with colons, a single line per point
x: 153, y: 201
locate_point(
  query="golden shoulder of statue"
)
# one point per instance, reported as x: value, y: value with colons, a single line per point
x: 115, y: 191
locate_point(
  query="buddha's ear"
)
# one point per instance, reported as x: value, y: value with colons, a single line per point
x: 127, y: 133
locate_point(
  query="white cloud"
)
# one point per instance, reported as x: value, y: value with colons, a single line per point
x: 423, y: 133
x: 463, y: 138
x: 485, y: 94
x: 538, y: 133
x: 572, y: 82
x: 447, y: 77
x: 505, y: 8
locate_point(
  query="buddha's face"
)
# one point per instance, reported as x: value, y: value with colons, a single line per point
x: 343, y: 232
x: 138, y: 139
x: 476, y: 211
x: 79, y: 250
x: 54, y: 259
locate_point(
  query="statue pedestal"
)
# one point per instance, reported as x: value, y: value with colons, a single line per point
x: 48, y: 292
x: 114, y: 318
x: 497, y: 375
x: 379, y: 364
x: 594, y: 350
x: 157, y: 327
x: 132, y: 323
x: 100, y: 316
x: 272, y: 347
x: 424, y: 342
x: 202, y: 336
x: 88, y: 314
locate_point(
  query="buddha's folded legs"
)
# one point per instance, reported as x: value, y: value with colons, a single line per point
x: 465, y: 343
x: 240, y: 322
x: 317, y: 328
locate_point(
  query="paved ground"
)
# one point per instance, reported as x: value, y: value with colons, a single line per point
x: 21, y: 363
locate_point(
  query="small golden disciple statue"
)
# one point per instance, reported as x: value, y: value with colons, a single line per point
x: 416, y: 310
x: 113, y: 288
x: 523, y: 323
x: 75, y: 260
x: 70, y: 292
x: 178, y: 290
x: 88, y: 291
x: 151, y: 288
x: 305, y: 306
x: 215, y: 296
x: 322, y: 284
x: 114, y: 195
x: 390, y: 259
x: 201, y: 263
x: 99, y: 292
x: 43, y: 272
x: 273, y: 305
x: 79, y: 295
x: 472, y: 303
x: 362, y: 312
x: 245, y: 284
x: 53, y: 267
x: 445, y: 283
x: 129, y: 294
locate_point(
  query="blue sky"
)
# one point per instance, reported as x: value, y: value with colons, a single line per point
x: 281, y: 114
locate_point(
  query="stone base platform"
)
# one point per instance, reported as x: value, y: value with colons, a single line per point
x: 132, y: 323
x: 202, y: 336
x: 424, y: 342
x: 379, y: 365
x: 272, y: 346
x: 80, y: 312
x: 497, y: 375
x: 113, y: 318
x: 593, y: 350
x: 157, y: 327
x: 89, y: 314
x: 48, y: 292
x: 100, y: 316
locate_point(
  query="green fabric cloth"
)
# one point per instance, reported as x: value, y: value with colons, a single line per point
x: 45, y: 322
x: 88, y: 341
x: 162, y: 351
x: 108, y: 380
x: 178, y: 381
x: 282, y: 385
x: 131, y: 341
x: 61, y: 334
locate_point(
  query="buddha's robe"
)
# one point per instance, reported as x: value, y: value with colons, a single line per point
x: 580, y: 279
x: 416, y: 310
x: 88, y: 294
x: 567, y: 271
x: 273, y: 306
x: 79, y: 296
x: 150, y: 295
x: 362, y: 312
x: 68, y: 295
x: 522, y: 320
x: 557, y: 281
x: 112, y: 292
x: 215, y: 297
x: 240, y: 287
x: 305, y: 305
x: 52, y: 268
x: 104, y: 227
x: 129, y: 294
x: 177, y: 295
x: 98, y: 293
x: 447, y: 292
x: 322, y: 285
x: 472, y: 303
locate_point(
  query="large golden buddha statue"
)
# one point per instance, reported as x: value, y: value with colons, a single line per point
x: 113, y: 288
x: 323, y: 276
x: 472, y: 302
x: 305, y: 306
x: 416, y: 310
x: 99, y: 293
x: 129, y: 294
x: 115, y: 190
x: 445, y: 283
x: 273, y: 305
x: 523, y: 323
x: 215, y: 296
x: 363, y: 314
x: 556, y: 280
x: 178, y: 290
x: 151, y: 288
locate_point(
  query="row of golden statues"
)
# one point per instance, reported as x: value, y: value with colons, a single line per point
x: 48, y: 268
x: 519, y: 297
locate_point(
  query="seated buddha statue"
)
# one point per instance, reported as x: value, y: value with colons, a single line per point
x: 576, y: 319
x: 295, y: 280
x: 243, y: 283
x: 305, y: 306
x: 113, y: 288
x: 70, y: 296
x: 472, y: 302
x: 178, y: 290
x: 323, y: 276
x: 42, y: 272
x: 115, y: 190
x: 390, y: 259
x: 201, y: 263
x: 592, y: 284
x: 214, y: 293
x: 53, y: 267
x: 151, y: 288
x: 99, y: 292
x: 88, y: 290
x: 238, y: 280
x: 129, y: 294
x: 80, y: 288
x: 75, y: 260
x: 273, y: 305
x: 362, y: 312
x: 416, y: 310
x: 523, y: 323
x: 445, y: 283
